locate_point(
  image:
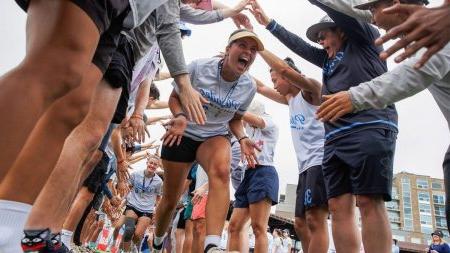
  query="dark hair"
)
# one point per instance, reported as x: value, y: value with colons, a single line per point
x: 154, y: 91
x: 291, y: 64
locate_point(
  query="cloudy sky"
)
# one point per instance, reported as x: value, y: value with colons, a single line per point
x: 423, y: 137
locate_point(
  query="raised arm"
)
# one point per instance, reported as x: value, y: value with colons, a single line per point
x: 302, y: 48
x: 307, y: 85
x: 346, y: 7
x: 270, y: 93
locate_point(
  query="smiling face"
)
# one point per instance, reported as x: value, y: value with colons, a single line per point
x: 152, y: 164
x: 331, y: 40
x: 240, y: 55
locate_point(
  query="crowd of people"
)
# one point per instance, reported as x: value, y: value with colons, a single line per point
x: 67, y: 155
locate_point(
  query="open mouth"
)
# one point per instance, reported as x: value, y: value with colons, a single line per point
x: 243, y: 61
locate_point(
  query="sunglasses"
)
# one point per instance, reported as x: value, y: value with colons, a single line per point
x: 321, y: 37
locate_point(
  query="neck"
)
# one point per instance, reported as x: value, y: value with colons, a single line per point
x: 294, y: 90
x: 226, y: 72
x: 149, y: 174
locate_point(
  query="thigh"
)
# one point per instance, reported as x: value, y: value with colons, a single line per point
x: 131, y: 213
x: 103, y: 104
x: 53, y: 31
x: 215, y: 154
x: 336, y: 172
x: 239, y: 218
x: 372, y: 162
x: 143, y: 223
x: 175, y: 174
x: 260, y: 211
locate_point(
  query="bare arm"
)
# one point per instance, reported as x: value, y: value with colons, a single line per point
x: 157, y: 104
x: 162, y: 76
x: 307, y: 85
x: 136, y: 121
x: 270, y: 93
x: 254, y: 120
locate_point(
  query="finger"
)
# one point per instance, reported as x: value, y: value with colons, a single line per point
x: 339, y: 114
x: 331, y: 113
x: 167, y: 139
x: 173, y: 140
x: 419, y: 38
x: 256, y: 147
x: 326, y: 107
x: 398, y: 8
x: 188, y: 112
x: 200, y: 113
x: 427, y: 55
x: 179, y: 140
x: 402, y: 43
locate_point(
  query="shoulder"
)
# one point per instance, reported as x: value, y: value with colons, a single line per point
x: 247, y: 80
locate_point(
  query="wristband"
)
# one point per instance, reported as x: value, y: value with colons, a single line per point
x: 180, y: 114
x: 121, y: 161
x: 137, y: 116
x: 243, y: 137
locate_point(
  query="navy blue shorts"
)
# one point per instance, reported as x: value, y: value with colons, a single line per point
x: 258, y: 184
x: 360, y: 163
x: 310, y: 191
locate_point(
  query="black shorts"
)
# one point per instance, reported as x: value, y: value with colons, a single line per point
x: 108, y: 16
x: 97, y: 176
x: 310, y: 191
x: 186, y: 152
x: 137, y: 212
x: 360, y: 163
x: 97, y: 201
x: 181, y: 224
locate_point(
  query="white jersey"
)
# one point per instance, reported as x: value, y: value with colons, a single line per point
x: 265, y: 139
x: 144, y: 192
x: 307, y: 133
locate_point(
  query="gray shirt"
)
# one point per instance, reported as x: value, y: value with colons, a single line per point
x: 144, y: 192
x: 225, y: 98
x: 404, y: 81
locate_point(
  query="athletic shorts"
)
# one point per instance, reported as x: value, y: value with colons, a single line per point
x: 360, y: 164
x: 311, y: 191
x: 137, y: 212
x: 258, y: 184
x: 199, y: 210
x: 97, y: 201
x: 108, y: 16
x: 181, y: 224
x: 94, y: 181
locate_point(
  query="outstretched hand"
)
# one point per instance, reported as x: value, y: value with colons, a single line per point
x: 192, y: 103
x: 175, y: 129
x: 335, y: 106
x: 248, y: 152
x: 425, y: 27
x: 259, y: 13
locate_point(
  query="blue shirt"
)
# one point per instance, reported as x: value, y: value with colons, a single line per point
x: 441, y: 248
x: 357, y: 62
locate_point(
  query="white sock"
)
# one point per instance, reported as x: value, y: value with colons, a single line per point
x: 13, y: 216
x: 66, y: 238
x: 159, y: 239
x: 212, y: 239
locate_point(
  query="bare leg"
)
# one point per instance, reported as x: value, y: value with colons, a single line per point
x: 57, y: 57
x: 342, y: 209
x: 199, y: 233
x: 35, y: 163
x: 302, y: 231
x: 175, y: 174
x: 142, y: 225
x: 179, y: 239
x: 316, y: 218
x: 84, y: 197
x: 376, y: 230
x: 52, y: 203
x: 259, y: 215
x: 214, y: 157
x: 188, y: 236
x: 238, y: 222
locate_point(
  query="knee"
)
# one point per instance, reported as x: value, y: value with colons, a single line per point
x: 219, y: 174
x: 71, y: 110
x: 130, y: 227
x: 234, y: 227
x: 299, y: 224
x: 314, y: 222
x: 57, y: 76
x: 199, y: 229
x: 259, y: 229
x: 368, y: 204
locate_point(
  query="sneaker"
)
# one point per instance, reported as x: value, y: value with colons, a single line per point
x: 211, y: 248
x: 157, y: 248
x: 42, y: 241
